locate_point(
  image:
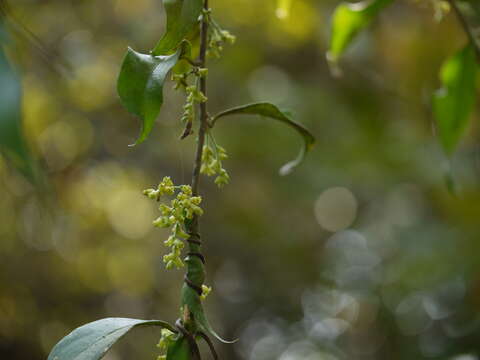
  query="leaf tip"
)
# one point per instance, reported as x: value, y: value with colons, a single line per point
x: 333, y: 64
x: 286, y: 169
x: 137, y: 142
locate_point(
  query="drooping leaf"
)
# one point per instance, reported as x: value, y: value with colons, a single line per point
x: 470, y: 11
x: 454, y: 102
x: 268, y: 110
x: 93, y: 340
x: 12, y: 141
x: 182, y: 15
x: 140, y: 86
x: 348, y: 20
x: 179, y: 349
x: 192, y: 300
x: 283, y: 8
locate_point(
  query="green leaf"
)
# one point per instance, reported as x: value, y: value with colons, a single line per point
x: 454, y: 102
x: 271, y: 111
x: 348, y: 20
x: 179, y: 349
x: 182, y: 15
x: 191, y: 299
x: 140, y: 86
x: 93, y: 340
x: 12, y: 141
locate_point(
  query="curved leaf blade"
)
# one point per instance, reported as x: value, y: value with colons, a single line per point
x: 348, y: 20
x: 140, y: 86
x: 271, y: 111
x: 454, y: 102
x: 93, y: 340
x: 182, y: 15
x: 191, y: 299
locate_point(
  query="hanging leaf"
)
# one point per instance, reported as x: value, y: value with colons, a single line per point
x: 192, y: 300
x: 179, y: 349
x: 182, y: 15
x: 12, y: 141
x: 268, y: 110
x: 140, y: 86
x: 348, y: 20
x: 93, y: 340
x: 454, y: 102
x: 283, y: 8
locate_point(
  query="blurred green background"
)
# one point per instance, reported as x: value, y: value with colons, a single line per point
x: 360, y: 254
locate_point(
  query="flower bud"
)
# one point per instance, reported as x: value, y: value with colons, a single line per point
x: 203, y: 72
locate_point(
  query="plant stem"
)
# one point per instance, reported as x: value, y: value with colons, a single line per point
x: 466, y: 26
x: 195, y: 268
x: 193, y: 228
x: 203, y: 106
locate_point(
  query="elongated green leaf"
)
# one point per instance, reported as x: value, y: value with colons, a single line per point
x: 271, y: 111
x: 348, y: 20
x: 454, y: 102
x: 93, y: 340
x: 12, y: 142
x: 179, y: 349
x: 140, y: 86
x: 191, y: 299
x: 182, y: 15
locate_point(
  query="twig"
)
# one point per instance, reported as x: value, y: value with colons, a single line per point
x: 203, y: 110
x: 466, y: 27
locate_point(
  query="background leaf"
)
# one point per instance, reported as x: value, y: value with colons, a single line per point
x: 182, y: 15
x: 140, y: 86
x: 271, y: 111
x: 93, y: 340
x: 454, y: 102
x: 12, y: 141
x: 348, y: 20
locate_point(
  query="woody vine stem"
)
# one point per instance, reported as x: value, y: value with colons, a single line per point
x: 194, y: 239
x: 203, y: 112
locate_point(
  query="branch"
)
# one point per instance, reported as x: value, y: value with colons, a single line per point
x: 203, y: 110
x: 195, y: 260
x: 462, y: 18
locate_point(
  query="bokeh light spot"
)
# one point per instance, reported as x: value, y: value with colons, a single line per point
x: 269, y: 83
x: 129, y: 215
x: 336, y: 209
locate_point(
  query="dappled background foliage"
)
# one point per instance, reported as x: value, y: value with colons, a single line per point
x: 361, y: 253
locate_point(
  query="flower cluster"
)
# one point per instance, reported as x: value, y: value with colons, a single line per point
x: 184, y: 207
x: 166, y: 338
x: 212, y: 164
x: 206, y: 290
x: 217, y: 37
x: 180, y: 80
x: 194, y: 95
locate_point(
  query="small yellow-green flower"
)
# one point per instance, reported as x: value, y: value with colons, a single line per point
x: 206, y: 290
x: 183, y: 207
